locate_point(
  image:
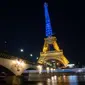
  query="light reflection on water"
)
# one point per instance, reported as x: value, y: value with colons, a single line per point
x: 40, y: 83
x: 73, y: 80
x: 53, y: 80
x: 60, y: 80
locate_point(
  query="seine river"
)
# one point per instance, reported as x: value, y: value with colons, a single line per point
x: 54, y: 80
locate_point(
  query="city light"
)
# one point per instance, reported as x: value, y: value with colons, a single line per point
x: 71, y: 65
x: 37, y: 58
x: 64, y: 76
x: 31, y: 55
x: 54, y: 69
x: 39, y: 67
x: 48, y: 81
x: 52, y: 78
x: 21, y: 50
x: 55, y: 77
x: 20, y: 62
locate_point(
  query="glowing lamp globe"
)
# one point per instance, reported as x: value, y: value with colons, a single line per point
x: 21, y: 50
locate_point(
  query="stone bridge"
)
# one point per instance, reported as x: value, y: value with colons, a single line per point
x: 14, y: 64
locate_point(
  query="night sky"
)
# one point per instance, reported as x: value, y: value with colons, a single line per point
x: 22, y: 25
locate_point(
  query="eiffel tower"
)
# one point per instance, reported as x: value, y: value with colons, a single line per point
x: 48, y: 54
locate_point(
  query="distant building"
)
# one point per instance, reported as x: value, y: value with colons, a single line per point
x: 70, y: 65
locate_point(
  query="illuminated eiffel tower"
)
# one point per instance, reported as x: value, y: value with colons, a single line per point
x: 49, y: 55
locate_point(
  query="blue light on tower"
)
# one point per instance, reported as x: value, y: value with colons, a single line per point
x: 47, y: 21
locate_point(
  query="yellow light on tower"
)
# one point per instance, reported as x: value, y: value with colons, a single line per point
x: 37, y: 58
x: 54, y: 69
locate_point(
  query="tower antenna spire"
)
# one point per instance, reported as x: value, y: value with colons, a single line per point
x: 47, y: 21
x: 55, y: 53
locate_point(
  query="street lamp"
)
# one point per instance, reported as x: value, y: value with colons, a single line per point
x: 37, y: 58
x: 21, y: 50
x: 31, y: 55
x: 18, y: 63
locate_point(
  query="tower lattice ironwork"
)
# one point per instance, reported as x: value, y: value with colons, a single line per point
x: 47, y: 54
x: 47, y: 21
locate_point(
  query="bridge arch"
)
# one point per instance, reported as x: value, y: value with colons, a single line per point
x: 11, y: 65
x: 6, y: 63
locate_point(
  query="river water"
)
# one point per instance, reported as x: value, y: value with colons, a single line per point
x: 53, y: 80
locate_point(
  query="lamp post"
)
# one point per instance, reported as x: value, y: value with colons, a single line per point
x: 37, y: 58
x: 31, y: 55
x: 21, y: 50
